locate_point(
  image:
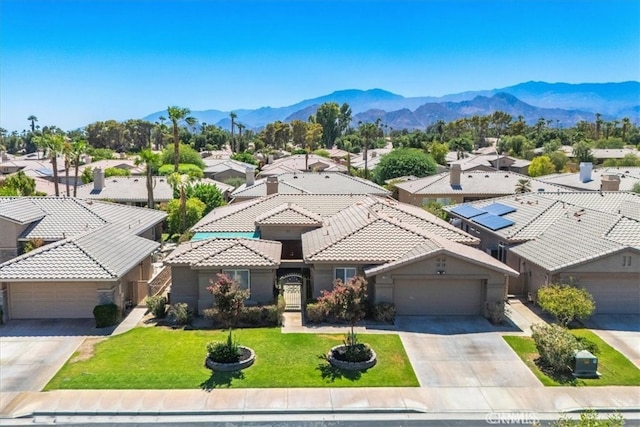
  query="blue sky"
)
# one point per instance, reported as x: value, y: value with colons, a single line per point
x: 71, y: 63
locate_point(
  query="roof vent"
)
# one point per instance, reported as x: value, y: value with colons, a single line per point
x: 326, y: 176
x: 470, y: 176
x: 295, y: 176
x: 506, y: 176
x: 486, y: 176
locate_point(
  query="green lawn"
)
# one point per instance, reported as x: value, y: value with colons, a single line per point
x: 163, y: 358
x: 615, y: 369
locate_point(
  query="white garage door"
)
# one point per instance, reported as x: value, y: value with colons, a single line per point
x: 621, y: 297
x: 438, y: 297
x: 52, y: 300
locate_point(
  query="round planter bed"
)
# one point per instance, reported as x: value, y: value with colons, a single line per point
x: 350, y: 366
x: 247, y: 358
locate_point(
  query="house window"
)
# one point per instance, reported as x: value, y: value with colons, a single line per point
x: 441, y: 262
x: 626, y: 260
x: 241, y: 276
x: 345, y: 273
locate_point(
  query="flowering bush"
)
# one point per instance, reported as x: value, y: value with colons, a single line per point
x: 229, y: 298
x: 347, y: 301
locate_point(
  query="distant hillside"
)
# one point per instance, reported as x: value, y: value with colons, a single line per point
x: 563, y: 103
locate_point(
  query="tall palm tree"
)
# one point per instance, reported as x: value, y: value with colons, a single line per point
x: 175, y: 115
x: 240, y: 126
x: 233, y: 122
x: 78, y: 148
x: 66, y: 152
x: 180, y: 182
x: 625, y: 125
x: 52, y: 143
x: 523, y: 186
x: 151, y: 161
x: 33, y: 119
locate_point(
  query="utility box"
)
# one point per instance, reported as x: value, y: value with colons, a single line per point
x: 585, y: 364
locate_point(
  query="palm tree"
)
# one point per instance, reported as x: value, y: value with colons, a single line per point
x: 151, y: 161
x: 78, y: 148
x: 175, y: 115
x: 180, y: 183
x: 33, y: 119
x: 523, y: 186
x: 625, y: 125
x: 240, y: 126
x: 66, y: 152
x: 233, y: 118
x: 52, y: 143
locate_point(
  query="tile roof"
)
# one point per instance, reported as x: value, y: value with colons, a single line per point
x: 373, y: 233
x: 66, y: 216
x: 214, y: 165
x: 127, y: 189
x: 299, y: 162
x: 240, y: 217
x: 289, y: 214
x: 628, y: 177
x: 102, y: 254
x: 226, y: 252
x: 572, y: 240
x: 312, y: 183
x: 475, y: 182
x: 22, y: 210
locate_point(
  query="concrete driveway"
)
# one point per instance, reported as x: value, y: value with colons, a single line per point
x: 461, y: 352
x: 621, y: 331
x: 32, y: 351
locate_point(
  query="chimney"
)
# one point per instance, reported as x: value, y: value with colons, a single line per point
x: 98, y: 179
x: 272, y: 185
x: 585, y: 171
x: 454, y: 175
x: 270, y: 159
x: 250, y: 177
x: 610, y: 183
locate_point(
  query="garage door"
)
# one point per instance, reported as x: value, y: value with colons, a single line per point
x: 621, y: 297
x: 52, y: 300
x: 436, y: 297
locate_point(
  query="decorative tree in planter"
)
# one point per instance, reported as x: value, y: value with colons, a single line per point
x: 347, y: 302
x: 229, y: 301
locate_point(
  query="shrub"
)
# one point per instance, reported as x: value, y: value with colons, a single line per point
x: 105, y: 315
x: 555, y: 344
x: 585, y: 344
x: 353, y: 351
x: 280, y: 310
x: 157, y: 305
x: 260, y: 316
x: 181, y: 313
x: 252, y: 316
x: 384, y: 312
x: 229, y: 298
x: 565, y: 302
x: 497, y: 312
x: 224, y: 352
x: 315, y: 313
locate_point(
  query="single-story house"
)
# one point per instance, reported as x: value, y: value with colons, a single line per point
x: 591, y: 239
x: 301, y: 163
x: 458, y: 186
x: 61, y: 256
x: 409, y: 257
x: 306, y: 182
x: 619, y: 178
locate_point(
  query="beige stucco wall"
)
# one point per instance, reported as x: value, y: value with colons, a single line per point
x: 9, y: 232
x: 283, y: 232
x: 323, y: 275
x: 190, y: 286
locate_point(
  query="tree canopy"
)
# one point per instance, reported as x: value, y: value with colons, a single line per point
x: 402, y: 162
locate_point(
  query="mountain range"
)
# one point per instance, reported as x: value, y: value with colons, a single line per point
x: 564, y: 104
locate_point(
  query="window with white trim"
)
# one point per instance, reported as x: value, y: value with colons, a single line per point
x: 344, y: 273
x: 626, y: 260
x: 241, y: 276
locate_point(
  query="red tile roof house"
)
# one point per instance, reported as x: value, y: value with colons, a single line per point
x: 409, y: 257
x: 93, y: 252
x: 591, y: 238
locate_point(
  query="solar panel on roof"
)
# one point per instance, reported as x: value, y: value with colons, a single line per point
x: 467, y: 211
x: 492, y: 222
x: 498, y: 209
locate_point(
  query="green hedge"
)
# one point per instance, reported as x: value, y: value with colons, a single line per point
x: 105, y: 315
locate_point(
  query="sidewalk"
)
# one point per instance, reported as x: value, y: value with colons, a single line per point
x: 472, y: 402
x: 522, y: 315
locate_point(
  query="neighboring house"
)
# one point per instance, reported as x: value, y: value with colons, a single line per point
x: 373, y: 158
x: 591, y: 238
x: 8, y: 165
x: 410, y: 257
x: 91, y: 252
x: 128, y: 190
x: 489, y: 162
x: 306, y: 182
x: 457, y: 186
x: 606, y: 179
x: 301, y: 163
x: 224, y: 169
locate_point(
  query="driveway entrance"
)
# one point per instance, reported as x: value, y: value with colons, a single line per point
x: 32, y: 351
x: 461, y: 351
